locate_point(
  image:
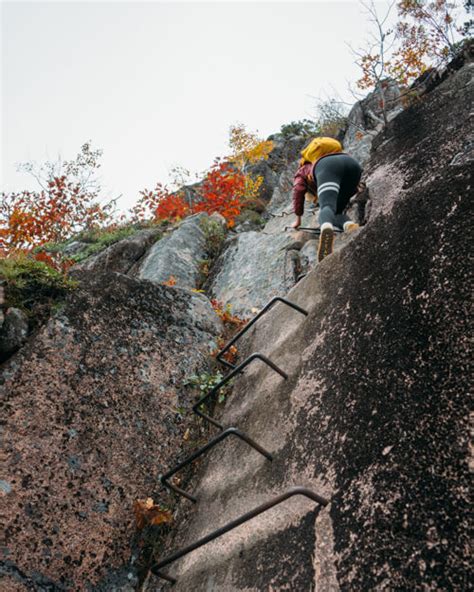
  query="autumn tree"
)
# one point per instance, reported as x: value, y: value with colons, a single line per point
x: 331, y: 117
x: 373, y: 60
x: 67, y: 201
x: 424, y: 36
x: 222, y: 191
x: 247, y: 149
x: 427, y: 34
x: 158, y: 204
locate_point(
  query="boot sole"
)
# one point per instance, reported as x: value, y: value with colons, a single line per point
x: 326, y: 242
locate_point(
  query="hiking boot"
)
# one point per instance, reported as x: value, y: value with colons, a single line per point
x: 350, y: 226
x: 326, y: 241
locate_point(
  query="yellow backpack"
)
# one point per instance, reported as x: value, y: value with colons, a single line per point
x: 319, y: 147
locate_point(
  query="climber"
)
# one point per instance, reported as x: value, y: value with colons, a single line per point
x: 333, y: 176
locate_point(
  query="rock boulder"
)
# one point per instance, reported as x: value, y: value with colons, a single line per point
x: 13, y: 331
x: 177, y: 254
x: 120, y: 256
x: 92, y: 417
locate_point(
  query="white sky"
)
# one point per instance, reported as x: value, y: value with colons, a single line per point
x: 157, y: 84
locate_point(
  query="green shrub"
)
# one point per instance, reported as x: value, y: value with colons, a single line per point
x: 214, y: 235
x: 52, y: 247
x: 96, y: 240
x: 256, y: 204
x: 33, y: 286
x: 331, y: 117
x: 303, y: 127
x: 206, y: 381
x: 105, y: 237
x: 99, y: 239
x: 250, y: 216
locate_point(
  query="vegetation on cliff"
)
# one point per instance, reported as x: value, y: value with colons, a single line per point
x: 33, y: 286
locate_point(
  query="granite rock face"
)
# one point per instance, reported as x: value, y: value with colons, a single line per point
x: 365, y: 121
x: 251, y: 271
x: 424, y: 143
x: 374, y: 414
x: 255, y: 266
x: 91, y: 419
x: 285, y: 150
x: 120, y: 256
x: 13, y: 331
x: 177, y: 254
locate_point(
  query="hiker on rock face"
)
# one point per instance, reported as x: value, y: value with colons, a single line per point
x: 333, y: 176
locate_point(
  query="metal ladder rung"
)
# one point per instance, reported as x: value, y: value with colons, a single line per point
x: 228, y: 432
x: 252, y: 322
x: 235, y: 371
x: 155, y: 569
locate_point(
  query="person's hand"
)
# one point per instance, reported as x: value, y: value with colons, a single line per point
x: 297, y: 223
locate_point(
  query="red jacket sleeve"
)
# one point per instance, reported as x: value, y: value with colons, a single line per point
x: 299, y: 189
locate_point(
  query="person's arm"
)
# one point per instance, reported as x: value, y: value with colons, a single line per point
x: 299, y: 190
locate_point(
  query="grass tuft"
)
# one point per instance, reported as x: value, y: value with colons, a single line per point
x: 33, y: 286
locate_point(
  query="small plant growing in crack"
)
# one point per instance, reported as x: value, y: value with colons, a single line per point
x: 206, y: 381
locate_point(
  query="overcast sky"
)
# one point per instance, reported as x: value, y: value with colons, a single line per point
x: 157, y: 84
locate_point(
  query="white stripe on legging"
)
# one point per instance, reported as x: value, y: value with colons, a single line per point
x: 329, y: 184
x: 332, y: 188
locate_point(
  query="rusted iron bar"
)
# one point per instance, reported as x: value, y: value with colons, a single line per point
x: 228, y: 432
x: 252, y: 322
x: 234, y: 524
x: 235, y: 371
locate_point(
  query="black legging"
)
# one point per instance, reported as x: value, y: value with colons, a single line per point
x: 337, y: 177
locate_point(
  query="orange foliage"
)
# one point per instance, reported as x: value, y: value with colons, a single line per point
x: 222, y: 191
x: 147, y: 513
x: 225, y: 314
x: 171, y: 281
x: 230, y: 355
x: 172, y: 208
x: 425, y: 33
x: 159, y: 204
x: 29, y: 218
x: 66, y: 203
x: 54, y: 260
x: 232, y: 324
